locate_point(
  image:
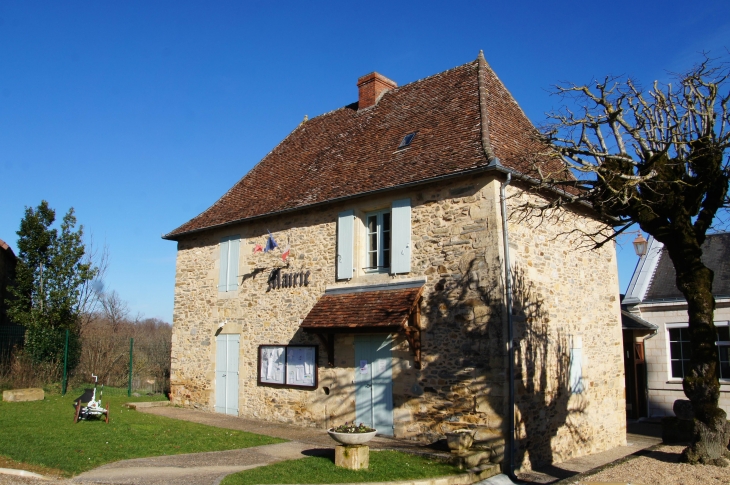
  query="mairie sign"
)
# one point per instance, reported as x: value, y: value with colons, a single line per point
x: 278, y: 280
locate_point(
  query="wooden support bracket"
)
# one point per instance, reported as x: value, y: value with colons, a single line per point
x: 413, y: 335
x: 328, y: 340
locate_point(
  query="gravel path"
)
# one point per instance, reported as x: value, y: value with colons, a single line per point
x: 14, y: 480
x: 661, y: 467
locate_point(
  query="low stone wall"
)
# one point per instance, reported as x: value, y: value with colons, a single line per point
x: 18, y: 395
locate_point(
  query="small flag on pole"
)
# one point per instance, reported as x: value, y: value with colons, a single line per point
x: 258, y: 248
x: 270, y: 244
x: 285, y: 254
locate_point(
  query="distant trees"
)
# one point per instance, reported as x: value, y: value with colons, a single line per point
x: 53, y: 274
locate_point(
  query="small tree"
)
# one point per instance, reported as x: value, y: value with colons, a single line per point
x: 50, y: 276
x: 656, y: 158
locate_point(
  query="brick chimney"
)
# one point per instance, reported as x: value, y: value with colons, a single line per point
x: 371, y: 86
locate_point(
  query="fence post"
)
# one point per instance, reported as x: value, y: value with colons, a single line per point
x: 65, y: 366
x: 131, y: 350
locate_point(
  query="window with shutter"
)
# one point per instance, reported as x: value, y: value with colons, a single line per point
x: 377, y: 241
x: 345, y: 244
x: 400, y: 252
x: 228, y: 274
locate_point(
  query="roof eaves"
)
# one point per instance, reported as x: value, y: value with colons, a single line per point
x: 172, y: 236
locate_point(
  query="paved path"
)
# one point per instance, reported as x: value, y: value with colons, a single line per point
x: 195, y: 468
x: 210, y: 468
x: 313, y: 436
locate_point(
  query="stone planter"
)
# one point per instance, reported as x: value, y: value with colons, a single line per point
x: 352, y: 438
x: 460, y: 440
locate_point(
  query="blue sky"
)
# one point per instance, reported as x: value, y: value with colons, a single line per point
x: 141, y: 114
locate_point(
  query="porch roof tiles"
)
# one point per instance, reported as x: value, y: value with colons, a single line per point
x: 366, y: 310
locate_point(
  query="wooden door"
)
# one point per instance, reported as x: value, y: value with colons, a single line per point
x: 226, y: 374
x: 374, y: 382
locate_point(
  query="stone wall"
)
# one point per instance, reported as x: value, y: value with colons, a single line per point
x: 566, y: 295
x: 457, y: 246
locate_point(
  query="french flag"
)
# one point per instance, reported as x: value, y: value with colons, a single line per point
x: 270, y: 244
x: 285, y: 254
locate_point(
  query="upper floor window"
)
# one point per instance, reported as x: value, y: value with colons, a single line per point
x: 384, y: 240
x: 228, y: 275
x: 378, y: 240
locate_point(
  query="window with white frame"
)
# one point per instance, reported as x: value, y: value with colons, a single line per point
x: 723, y: 349
x: 377, y: 233
x: 679, y: 351
x: 386, y: 244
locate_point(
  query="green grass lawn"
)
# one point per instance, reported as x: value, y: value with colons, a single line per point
x: 384, y: 466
x: 43, y: 433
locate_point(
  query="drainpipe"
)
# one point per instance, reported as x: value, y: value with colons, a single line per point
x: 510, y: 333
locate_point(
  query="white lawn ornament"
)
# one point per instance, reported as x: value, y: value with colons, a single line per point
x: 93, y: 407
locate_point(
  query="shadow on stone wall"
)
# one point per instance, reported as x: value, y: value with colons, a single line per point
x: 463, y: 383
x: 544, y: 400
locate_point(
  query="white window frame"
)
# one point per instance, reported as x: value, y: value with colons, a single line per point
x: 670, y: 326
x: 719, y: 343
x: 722, y: 343
x: 381, y: 267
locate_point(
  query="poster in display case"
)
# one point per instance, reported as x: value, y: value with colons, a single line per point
x: 288, y: 366
x: 272, y: 364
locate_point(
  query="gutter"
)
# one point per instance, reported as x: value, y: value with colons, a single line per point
x: 510, y: 332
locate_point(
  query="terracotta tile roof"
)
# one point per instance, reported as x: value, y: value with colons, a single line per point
x: 346, y: 152
x: 364, y: 310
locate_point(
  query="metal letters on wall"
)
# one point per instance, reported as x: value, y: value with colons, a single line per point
x: 278, y: 280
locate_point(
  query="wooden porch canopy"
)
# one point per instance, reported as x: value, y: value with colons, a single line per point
x: 362, y: 311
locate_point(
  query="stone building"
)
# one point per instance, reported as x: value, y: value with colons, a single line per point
x: 390, y: 308
x: 653, y: 296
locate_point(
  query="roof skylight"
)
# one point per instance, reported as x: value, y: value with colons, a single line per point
x: 406, y: 140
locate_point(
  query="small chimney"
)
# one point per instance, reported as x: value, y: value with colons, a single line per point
x: 371, y: 86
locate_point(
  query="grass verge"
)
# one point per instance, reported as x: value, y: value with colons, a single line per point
x: 385, y: 466
x: 42, y: 433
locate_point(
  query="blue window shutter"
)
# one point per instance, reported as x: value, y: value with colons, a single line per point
x: 234, y: 245
x: 223, y: 274
x: 345, y: 244
x: 576, y: 371
x: 400, y: 258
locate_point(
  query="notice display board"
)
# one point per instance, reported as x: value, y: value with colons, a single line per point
x: 271, y: 364
x: 288, y: 366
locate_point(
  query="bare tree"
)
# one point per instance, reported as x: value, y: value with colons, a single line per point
x: 656, y: 158
x: 115, y: 310
x: 91, y: 291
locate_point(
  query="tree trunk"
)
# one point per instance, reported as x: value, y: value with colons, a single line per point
x: 701, y: 384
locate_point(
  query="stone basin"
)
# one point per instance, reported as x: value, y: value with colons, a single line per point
x: 352, y: 438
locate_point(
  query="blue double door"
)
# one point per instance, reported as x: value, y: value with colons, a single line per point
x: 374, y: 382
